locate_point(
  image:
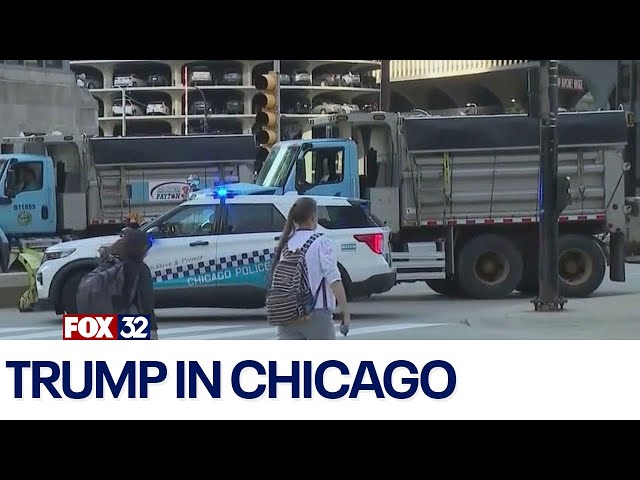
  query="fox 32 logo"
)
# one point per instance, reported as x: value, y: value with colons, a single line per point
x: 106, y: 327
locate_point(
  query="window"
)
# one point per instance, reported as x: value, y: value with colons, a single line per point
x: 323, y: 166
x: 352, y: 216
x: 253, y: 219
x: 53, y: 63
x: 33, y: 63
x: 190, y: 221
x: 28, y: 177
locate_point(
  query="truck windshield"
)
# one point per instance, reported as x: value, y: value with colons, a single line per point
x: 277, y: 166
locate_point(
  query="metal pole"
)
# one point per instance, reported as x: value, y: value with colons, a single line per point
x: 186, y: 101
x: 548, y: 295
x: 205, y: 125
x: 385, y: 85
x: 276, y: 68
x: 124, y: 112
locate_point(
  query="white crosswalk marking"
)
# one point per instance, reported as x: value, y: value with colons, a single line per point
x: 213, y: 332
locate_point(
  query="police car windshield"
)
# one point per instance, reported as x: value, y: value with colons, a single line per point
x: 277, y: 166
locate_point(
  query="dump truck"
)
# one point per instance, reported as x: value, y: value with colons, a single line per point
x: 58, y: 187
x: 461, y: 194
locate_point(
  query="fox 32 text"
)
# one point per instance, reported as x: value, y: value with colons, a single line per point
x: 248, y: 379
x: 106, y: 327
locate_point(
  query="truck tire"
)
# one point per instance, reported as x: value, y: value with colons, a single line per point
x: 444, y: 286
x: 69, y: 290
x: 489, y: 266
x: 581, y: 265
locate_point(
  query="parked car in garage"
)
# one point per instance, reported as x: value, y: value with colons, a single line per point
x: 327, y: 80
x: 285, y: 79
x: 200, y: 75
x: 234, y: 107
x: 302, y: 78
x: 131, y: 109
x: 88, y: 81
x: 200, y: 106
x: 157, y: 80
x: 232, y: 76
x: 298, y: 106
x: 368, y: 81
x: 158, y: 108
x: 351, y: 80
x: 129, y: 80
x: 349, y: 108
x: 325, y: 108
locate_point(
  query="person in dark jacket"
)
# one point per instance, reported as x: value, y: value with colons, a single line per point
x: 131, y: 249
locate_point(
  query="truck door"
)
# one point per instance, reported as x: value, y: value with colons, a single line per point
x: 325, y: 170
x: 32, y: 207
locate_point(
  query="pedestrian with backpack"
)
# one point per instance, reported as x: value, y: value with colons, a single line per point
x: 305, y: 283
x: 122, y: 283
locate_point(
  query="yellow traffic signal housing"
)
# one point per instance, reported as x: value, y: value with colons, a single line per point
x: 268, y: 116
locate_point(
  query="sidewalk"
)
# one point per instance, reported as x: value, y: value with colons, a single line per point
x: 601, y: 317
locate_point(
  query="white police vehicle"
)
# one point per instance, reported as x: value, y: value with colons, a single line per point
x: 216, y: 251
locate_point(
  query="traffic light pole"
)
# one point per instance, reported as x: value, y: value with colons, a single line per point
x: 548, y: 298
x: 276, y: 69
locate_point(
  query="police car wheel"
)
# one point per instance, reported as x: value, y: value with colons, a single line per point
x: 69, y: 291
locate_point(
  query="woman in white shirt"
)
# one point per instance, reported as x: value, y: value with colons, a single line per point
x: 322, y: 264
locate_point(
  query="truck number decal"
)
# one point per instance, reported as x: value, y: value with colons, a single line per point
x: 25, y: 206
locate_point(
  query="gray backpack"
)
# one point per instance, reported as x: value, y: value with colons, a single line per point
x: 101, y: 291
x: 289, y: 297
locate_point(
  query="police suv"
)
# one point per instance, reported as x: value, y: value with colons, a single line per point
x: 217, y: 251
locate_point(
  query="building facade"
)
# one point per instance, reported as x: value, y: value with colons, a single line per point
x: 41, y: 96
x: 162, y: 99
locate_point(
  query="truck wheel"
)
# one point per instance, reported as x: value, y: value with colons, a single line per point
x: 444, y: 286
x: 581, y: 265
x: 69, y: 291
x: 489, y: 266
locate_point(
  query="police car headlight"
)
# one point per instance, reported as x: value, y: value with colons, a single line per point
x: 57, y: 254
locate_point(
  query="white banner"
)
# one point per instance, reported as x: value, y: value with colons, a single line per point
x: 331, y: 380
x: 167, y: 191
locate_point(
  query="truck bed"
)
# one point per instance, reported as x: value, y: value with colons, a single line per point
x: 148, y: 175
x: 482, y: 170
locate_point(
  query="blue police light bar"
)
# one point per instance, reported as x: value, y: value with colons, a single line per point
x: 222, y: 193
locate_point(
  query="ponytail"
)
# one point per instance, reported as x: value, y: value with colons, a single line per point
x: 301, y: 211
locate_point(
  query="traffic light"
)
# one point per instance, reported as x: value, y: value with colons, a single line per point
x: 268, y: 117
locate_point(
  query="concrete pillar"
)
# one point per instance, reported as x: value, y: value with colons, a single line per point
x: 176, y: 73
x: 107, y: 128
x: 248, y: 102
x: 107, y: 104
x: 107, y: 75
x: 176, y: 127
x: 247, y: 69
x: 176, y: 102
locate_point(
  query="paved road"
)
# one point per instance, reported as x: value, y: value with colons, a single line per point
x: 408, y: 312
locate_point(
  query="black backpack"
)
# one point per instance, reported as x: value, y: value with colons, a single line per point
x: 289, y: 297
x: 102, y: 290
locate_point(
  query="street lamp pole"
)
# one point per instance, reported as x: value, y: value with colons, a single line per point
x: 548, y: 298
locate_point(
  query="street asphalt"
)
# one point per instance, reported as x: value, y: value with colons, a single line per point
x: 408, y: 312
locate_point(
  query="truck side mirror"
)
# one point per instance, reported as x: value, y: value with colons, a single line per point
x: 10, y: 183
x: 564, y: 193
